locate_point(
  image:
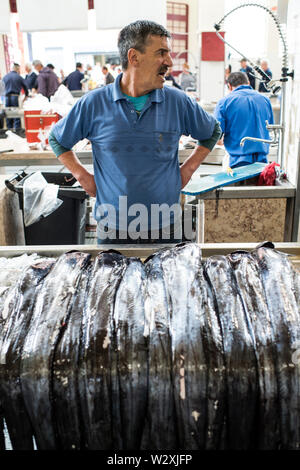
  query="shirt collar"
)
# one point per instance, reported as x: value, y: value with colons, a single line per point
x: 155, y: 95
x: 241, y: 87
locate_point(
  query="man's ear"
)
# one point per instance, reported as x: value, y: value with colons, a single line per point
x: 133, y: 57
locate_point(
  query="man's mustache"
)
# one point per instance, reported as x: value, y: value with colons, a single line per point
x: 163, y: 69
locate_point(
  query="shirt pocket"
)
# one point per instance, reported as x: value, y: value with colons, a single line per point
x: 165, y: 145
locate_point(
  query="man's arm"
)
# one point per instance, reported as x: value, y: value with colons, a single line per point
x: 192, y: 163
x: 198, y: 155
x: 69, y: 160
x: 84, y: 177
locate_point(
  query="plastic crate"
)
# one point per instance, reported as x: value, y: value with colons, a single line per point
x: 34, y: 121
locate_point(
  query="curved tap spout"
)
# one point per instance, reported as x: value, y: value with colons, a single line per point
x: 256, y: 139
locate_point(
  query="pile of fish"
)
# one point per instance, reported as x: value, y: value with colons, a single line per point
x: 178, y: 352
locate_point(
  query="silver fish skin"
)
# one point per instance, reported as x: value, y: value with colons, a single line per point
x: 240, y: 357
x: 67, y: 414
x: 50, y: 312
x: 19, y: 306
x: 247, y: 274
x: 198, y: 371
x: 132, y: 352
x: 11, y: 269
x: 160, y: 430
x: 97, y: 369
x: 278, y: 282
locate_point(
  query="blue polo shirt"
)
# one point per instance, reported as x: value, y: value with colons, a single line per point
x: 244, y: 112
x: 134, y: 155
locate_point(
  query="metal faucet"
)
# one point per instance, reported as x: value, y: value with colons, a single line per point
x: 271, y: 127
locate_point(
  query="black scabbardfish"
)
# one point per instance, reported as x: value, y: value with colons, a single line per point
x: 160, y: 431
x: 97, y: 368
x: 2, y: 439
x: 66, y: 410
x: 18, y: 312
x: 198, y: 371
x: 51, y: 309
x: 132, y: 353
x: 277, y: 277
x: 240, y: 358
x: 247, y: 274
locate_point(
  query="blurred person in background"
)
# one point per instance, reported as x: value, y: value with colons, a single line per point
x: 186, y: 79
x: 108, y: 78
x: 264, y: 65
x: 113, y: 70
x: 14, y: 83
x: 171, y: 78
x: 47, y: 80
x: 30, y: 77
x: 74, y: 80
x: 248, y: 71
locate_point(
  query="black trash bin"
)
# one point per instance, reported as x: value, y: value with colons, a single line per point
x: 66, y: 225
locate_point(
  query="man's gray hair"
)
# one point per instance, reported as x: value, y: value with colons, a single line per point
x: 237, y: 78
x: 36, y: 62
x: 136, y: 36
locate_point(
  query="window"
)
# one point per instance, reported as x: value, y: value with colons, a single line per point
x: 177, y: 24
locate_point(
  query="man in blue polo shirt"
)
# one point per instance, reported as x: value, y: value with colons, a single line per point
x: 134, y: 125
x: 244, y: 112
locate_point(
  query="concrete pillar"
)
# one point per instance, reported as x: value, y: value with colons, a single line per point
x: 211, y: 74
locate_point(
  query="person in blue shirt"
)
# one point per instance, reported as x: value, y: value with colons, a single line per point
x: 265, y: 67
x: 74, y: 80
x: 134, y: 125
x: 243, y: 112
x: 14, y: 83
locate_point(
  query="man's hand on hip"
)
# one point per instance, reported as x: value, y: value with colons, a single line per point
x: 192, y: 163
x: 85, y: 178
x: 87, y: 182
x: 186, y: 175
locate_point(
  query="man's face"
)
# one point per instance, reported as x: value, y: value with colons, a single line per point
x: 243, y: 64
x: 154, y: 63
x: 264, y: 65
